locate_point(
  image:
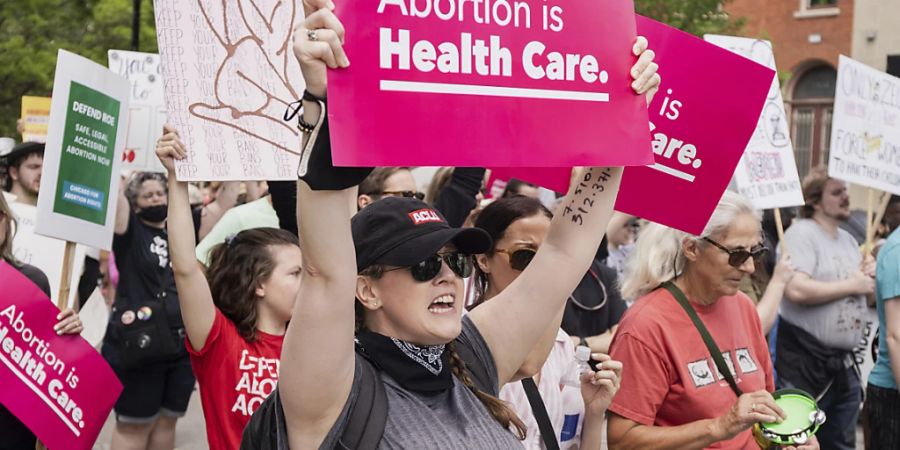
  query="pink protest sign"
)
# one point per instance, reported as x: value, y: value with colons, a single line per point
x: 501, y: 83
x: 58, y: 386
x: 553, y: 178
x: 701, y: 119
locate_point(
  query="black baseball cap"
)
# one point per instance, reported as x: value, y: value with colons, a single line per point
x: 20, y: 151
x: 401, y: 232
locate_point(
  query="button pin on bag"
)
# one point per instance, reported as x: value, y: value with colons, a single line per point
x: 144, y: 313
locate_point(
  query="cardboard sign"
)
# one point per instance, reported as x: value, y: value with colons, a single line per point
x: 86, y: 135
x: 58, y: 386
x: 700, y: 122
x: 530, y: 83
x: 767, y: 174
x: 36, y: 117
x: 865, y: 132
x: 146, y: 108
x: 229, y: 72
x: 864, y: 353
x: 45, y: 253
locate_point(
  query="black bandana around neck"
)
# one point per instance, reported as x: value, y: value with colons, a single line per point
x: 418, y: 368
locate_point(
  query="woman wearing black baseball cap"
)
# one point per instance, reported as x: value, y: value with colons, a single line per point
x: 440, y: 372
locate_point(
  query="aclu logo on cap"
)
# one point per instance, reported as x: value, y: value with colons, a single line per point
x: 424, y: 216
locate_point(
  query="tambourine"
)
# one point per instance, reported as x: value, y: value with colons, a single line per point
x: 803, y: 419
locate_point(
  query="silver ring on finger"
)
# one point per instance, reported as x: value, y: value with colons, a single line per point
x: 753, y: 407
x: 312, y: 35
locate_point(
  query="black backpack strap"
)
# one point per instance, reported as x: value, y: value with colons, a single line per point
x: 369, y: 412
x: 704, y: 333
x: 365, y: 425
x: 540, y: 414
x: 261, y: 432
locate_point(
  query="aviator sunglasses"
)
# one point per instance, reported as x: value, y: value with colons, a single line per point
x: 519, y: 259
x: 429, y: 268
x: 737, y: 257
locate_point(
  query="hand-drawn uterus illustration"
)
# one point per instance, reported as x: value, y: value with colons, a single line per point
x: 258, y: 77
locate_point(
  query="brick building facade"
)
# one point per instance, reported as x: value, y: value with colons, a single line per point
x: 807, y: 38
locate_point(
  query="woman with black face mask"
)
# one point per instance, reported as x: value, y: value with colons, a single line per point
x: 144, y: 337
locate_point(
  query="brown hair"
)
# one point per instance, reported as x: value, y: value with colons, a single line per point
x: 499, y: 409
x: 6, y: 253
x: 237, y: 267
x: 496, y: 218
x: 438, y: 181
x: 813, y: 187
x: 374, y: 183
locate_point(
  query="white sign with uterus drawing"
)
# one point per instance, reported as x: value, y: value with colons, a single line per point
x: 767, y: 174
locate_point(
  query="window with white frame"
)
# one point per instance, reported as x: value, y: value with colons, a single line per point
x: 817, y: 8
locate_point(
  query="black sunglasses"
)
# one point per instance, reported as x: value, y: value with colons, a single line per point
x: 519, y: 259
x: 737, y: 257
x: 429, y: 268
x: 406, y: 194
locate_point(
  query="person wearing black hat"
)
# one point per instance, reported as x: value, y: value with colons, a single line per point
x: 24, y: 166
x: 405, y: 266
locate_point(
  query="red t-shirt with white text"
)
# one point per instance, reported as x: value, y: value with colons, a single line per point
x: 669, y: 377
x: 235, y: 376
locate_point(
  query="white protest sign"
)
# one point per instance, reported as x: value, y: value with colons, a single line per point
x: 44, y: 252
x: 230, y: 73
x: 146, y: 110
x: 767, y: 174
x: 863, y: 353
x: 80, y: 179
x: 865, y: 132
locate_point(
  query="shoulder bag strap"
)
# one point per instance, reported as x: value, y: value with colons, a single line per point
x: 704, y: 333
x: 540, y: 414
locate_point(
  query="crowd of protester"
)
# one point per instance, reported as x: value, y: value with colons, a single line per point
x: 350, y: 309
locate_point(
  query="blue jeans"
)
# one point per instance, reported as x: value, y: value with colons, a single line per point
x: 841, y: 405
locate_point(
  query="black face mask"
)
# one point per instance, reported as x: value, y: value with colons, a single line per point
x: 154, y: 214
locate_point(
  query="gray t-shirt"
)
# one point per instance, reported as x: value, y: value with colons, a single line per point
x: 838, y: 324
x: 455, y: 419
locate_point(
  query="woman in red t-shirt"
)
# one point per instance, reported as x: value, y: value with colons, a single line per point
x: 235, y: 316
x: 673, y: 396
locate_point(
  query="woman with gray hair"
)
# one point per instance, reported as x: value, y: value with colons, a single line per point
x: 673, y: 396
x: 144, y: 341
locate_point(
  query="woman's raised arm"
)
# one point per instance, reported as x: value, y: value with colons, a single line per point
x: 197, y: 308
x: 317, y: 362
x: 536, y: 297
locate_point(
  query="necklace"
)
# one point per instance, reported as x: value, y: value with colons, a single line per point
x: 602, y: 287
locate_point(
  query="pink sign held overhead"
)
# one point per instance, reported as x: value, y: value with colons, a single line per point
x: 701, y: 119
x: 503, y: 83
x: 58, y: 386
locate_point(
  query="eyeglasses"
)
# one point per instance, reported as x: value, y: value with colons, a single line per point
x: 737, y: 257
x: 406, y: 194
x: 519, y: 259
x: 428, y: 269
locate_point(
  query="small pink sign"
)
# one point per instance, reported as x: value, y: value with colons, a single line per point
x: 700, y: 122
x: 553, y: 178
x: 58, y: 386
x: 528, y: 83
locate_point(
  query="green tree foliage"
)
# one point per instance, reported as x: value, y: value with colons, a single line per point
x: 697, y: 17
x: 31, y: 32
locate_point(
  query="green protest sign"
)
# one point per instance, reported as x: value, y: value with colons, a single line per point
x: 89, y: 142
x: 83, y: 155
